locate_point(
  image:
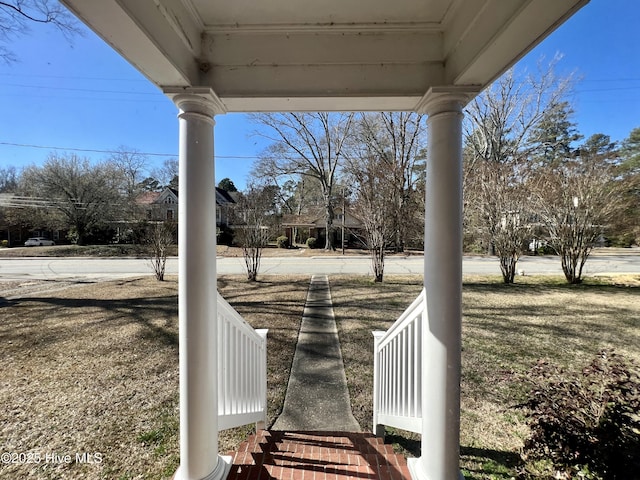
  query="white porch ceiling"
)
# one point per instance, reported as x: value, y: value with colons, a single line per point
x: 284, y: 55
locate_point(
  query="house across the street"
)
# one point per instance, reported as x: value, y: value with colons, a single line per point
x: 298, y: 228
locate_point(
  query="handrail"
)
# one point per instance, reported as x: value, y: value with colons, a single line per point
x: 242, y: 370
x: 397, y: 371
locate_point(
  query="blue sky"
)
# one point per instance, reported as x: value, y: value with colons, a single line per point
x: 82, y: 95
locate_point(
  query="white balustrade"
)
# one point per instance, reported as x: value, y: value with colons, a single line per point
x: 242, y: 370
x: 397, y: 371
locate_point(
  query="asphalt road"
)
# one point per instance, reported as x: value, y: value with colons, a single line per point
x: 51, y: 268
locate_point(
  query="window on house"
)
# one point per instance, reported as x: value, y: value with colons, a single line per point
x: 169, y: 214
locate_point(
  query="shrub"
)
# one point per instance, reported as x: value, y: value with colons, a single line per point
x: 73, y: 236
x: 624, y: 240
x: 4, y: 243
x: 585, y: 423
x: 225, y: 236
x: 311, y: 242
x: 282, y: 242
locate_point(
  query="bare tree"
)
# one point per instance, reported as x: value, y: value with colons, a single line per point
x: 500, y: 122
x: 168, y: 174
x: 292, y: 198
x: 306, y: 144
x: 8, y: 179
x: 17, y: 15
x: 396, y: 140
x: 254, y: 226
x: 576, y: 201
x: 293, y: 201
x: 374, y: 185
x: 498, y: 211
x: 85, y: 195
x: 160, y: 237
x: 131, y: 165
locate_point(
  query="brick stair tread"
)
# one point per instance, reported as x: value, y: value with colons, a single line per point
x: 316, y: 456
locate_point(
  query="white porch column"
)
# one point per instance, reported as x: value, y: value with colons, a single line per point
x: 441, y: 337
x: 197, y: 307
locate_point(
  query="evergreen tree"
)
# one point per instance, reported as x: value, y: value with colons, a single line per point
x: 552, y: 139
x: 227, y: 185
x: 630, y: 152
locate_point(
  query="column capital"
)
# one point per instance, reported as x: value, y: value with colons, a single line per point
x: 201, y: 100
x: 450, y: 98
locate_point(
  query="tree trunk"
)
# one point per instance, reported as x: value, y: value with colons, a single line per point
x: 377, y: 260
x: 252, y: 262
x: 328, y: 244
x: 508, y: 268
x: 569, y: 267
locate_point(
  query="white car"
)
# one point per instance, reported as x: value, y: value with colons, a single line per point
x: 38, y: 242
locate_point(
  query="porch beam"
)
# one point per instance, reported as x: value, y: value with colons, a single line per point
x: 441, y: 340
x: 197, y: 306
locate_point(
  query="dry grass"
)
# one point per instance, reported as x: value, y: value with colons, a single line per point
x: 506, y: 329
x: 95, y: 369
x: 361, y: 306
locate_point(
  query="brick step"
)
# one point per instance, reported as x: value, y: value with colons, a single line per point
x: 316, y: 456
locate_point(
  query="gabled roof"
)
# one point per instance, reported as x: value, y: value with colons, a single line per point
x: 168, y: 195
x: 223, y: 197
x: 147, y: 198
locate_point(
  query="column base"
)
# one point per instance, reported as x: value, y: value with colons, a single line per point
x: 417, y: 473
x: 219, y: 473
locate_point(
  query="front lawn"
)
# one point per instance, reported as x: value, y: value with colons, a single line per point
x: 94, y: 369
x: 506, y: 330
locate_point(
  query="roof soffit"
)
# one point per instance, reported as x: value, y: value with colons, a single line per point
x: 160, y: 38
x: 332, y: 55
x: 484, y: 39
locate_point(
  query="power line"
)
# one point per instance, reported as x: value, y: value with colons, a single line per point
x: 92, y: 90
x: 19, y: 201
x: 610, y: 89
x: 90, y: 150
x: 96, y: 99
x: 70, y: 77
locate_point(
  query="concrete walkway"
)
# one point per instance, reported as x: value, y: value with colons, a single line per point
x: 317, y: 398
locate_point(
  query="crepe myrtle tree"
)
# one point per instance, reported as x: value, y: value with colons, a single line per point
x: 373, y: 185
x: 255, y: 222
x: 498, y: 131
x: 576, y: 201
x: 160, y: 237
x: 397, y: 142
